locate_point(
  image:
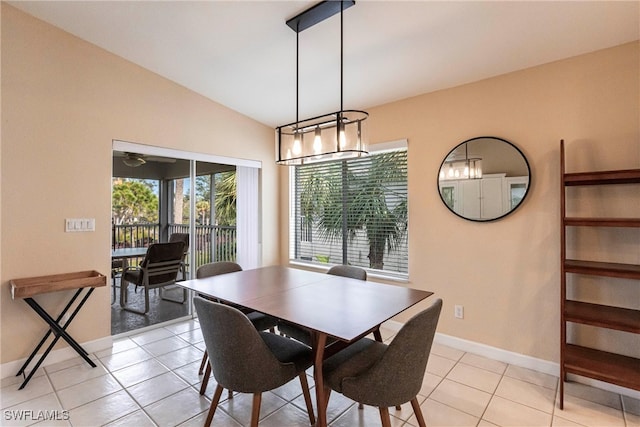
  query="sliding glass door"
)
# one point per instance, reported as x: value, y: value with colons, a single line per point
x: 213, y: 200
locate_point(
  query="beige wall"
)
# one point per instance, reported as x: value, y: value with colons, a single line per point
x: 506, y: 273
x: 63, y: 102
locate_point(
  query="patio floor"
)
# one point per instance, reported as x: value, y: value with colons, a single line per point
x: 159, y: 310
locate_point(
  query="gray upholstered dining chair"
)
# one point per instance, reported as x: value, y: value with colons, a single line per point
x: 260, y: 321
x: 248, y: 361
x: 158, y: 269
x: 348, y: 271
x: 302, y: 334
x: 382, y: 375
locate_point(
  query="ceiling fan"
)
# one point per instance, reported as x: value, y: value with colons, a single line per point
x: 135, y: 159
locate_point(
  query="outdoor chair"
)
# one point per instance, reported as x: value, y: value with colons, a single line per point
x: 248, y: 361
x: 182, y: 237
x: 260, y: 321
x: 158, y: 269
x: 373, y: 373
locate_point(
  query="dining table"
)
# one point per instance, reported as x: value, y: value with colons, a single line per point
x: 337, y: 310
x: 127, y: 253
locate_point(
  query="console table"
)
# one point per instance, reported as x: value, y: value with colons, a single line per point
x: 27, y: 288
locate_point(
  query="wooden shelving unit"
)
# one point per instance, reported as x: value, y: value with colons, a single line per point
x: 575, y: 359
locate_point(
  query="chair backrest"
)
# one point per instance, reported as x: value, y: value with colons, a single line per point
x: 215, y: 268
x: 240, y: 359
x: 348, y: 271
x: 180, y: 237
x: 397, y: 377
x: 161, y: 263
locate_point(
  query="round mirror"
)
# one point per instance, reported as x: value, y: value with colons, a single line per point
x: 484, y: 179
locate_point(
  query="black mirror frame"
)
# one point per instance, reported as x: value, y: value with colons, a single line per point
x: 506, y: 213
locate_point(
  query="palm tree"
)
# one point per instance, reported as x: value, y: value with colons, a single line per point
x: 344, y: 198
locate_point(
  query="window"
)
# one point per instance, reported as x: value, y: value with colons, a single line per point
x: 352, y: 212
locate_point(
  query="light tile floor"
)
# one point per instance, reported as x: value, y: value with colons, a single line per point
x: 151, y: 379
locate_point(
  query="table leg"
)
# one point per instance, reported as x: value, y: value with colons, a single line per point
x: 59, y: 331
x: 319, y: 340
x: 42, y: 341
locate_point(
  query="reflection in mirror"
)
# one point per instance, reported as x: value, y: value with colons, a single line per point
x: 484, y: 179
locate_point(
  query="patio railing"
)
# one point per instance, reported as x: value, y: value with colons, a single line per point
x: 211, y: 242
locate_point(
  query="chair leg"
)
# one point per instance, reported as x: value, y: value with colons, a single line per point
x: 384, y: 416
x: 124, y: 285
x: 327, y: 394
x: 205, y: 358
x: 230, y: 396
x: 177, y: 301
x: 214, y: 405
x: 205, y: 380
x: 113, y: 298
x: 123, y: 291
x: 255, y: 410
x: 416, y: 410
x: 307, y: 397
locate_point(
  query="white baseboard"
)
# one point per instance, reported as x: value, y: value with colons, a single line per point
x: 518, y: 359
x: 11, y: 368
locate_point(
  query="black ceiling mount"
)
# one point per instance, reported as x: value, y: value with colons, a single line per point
x: 317, y: 13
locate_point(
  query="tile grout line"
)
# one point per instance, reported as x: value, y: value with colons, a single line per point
x: 493, y: 394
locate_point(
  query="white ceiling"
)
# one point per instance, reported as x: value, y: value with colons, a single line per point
x: 242, y: 55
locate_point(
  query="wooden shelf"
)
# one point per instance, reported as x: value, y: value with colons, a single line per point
x: 600, y: 365
x: 626, y: 176
x: 603, y: 366
x: 30, y: 286
x: 602, y: 222
x: 603, y: 316
x: 606, y: 269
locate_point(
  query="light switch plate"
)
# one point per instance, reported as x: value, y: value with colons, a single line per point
x: 72, y: 225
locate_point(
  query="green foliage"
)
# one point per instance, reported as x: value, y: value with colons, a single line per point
x: 133, y: 201
x: 323, y: 258
x: 225, y: 202
x: 374, y: 206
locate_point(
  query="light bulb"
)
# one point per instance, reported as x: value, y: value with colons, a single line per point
x: 457, y: 173
x: 466, y: 171
x: 317, y: 141
x: 297, y: 146
x: 288, y: 153
x: 342, y: 138
x: 450, y: 173
x: 441, y: 174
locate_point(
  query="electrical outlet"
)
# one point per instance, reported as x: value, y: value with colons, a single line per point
x: 458, y: 311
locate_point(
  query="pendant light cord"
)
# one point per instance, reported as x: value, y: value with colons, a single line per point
x: 297, y: 77
x: 341, y: 54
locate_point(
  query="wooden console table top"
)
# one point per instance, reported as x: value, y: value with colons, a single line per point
x: 30, y: 286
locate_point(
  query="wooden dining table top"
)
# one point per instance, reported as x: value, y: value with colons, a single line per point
x: 340, y: 307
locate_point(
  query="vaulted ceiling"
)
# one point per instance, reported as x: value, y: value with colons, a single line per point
x: 242, y: 55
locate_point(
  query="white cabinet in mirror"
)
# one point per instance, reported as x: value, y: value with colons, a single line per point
x: 490, y: 197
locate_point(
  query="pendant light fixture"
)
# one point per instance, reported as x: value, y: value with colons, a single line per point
x: 335, y: 136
